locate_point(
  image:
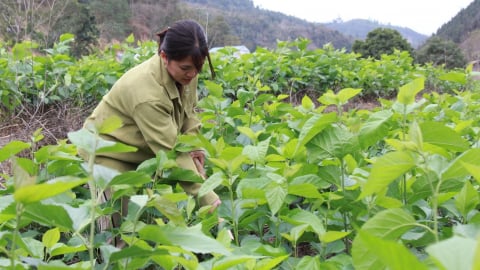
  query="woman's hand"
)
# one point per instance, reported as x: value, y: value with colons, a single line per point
x: 198, y: 157
x: 215, y: 205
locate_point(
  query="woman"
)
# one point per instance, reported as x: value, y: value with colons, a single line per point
x: 155, y: 101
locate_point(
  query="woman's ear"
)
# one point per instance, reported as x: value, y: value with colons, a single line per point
x: 164, y: 57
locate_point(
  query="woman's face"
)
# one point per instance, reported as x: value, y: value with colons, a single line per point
x: 182, y: 71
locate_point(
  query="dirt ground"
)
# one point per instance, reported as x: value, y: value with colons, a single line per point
x: 54, y: 121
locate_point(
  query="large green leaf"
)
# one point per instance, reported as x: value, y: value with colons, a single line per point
x: 91, y: 143
x: 212, y: 182
x: 214, y: 89
x: 334, y: 141
x: 454, y: 253
x: 299, y: 217
x: 467, y: 199
x: 456, y: 169
x: 131, y: 178
x: 50, y: 215
x: 276, y: 192
x: 35, y: 193
x: 407, y: 93
x: 313, y: 126
x: 371, y: 252
x: 12, y: 148
x: 188, y: 238
x: 226, y: 263
x: 438, y: 134
x: 258, y: 152
x: 386, y: 169
x: 375, y: 128
x: 389, y: 224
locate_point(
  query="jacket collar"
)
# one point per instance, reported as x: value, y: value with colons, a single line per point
x: 161, y: 75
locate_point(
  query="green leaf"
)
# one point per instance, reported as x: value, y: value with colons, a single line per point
x: 467, y: 199
x: 211, y: 183
x: 257, y: 153
x: 473, y: 170
x: 299, y: 216
x: 50, y: 215
x: 332, y: 236
x: 109, y: 125
x: 386, y: 169
x: 62, y: 249
x: 456, y: 169
x: 375, y: 128
x: 226, y: 263
x: 88, y: 141
x: 51, y: 237
x: 214, y: 89
x: 308, y: 262
x: 248, y: 132
x: 307, y: 103
x: 389, y: 224
x: 438, y: 134
x: 329, y: 98
x: 305, y: 190
x: 12, y: 148
x: 454, y: 253
x: 276, y: 194
x: 189, y: 238
x: 169, y: 209
x: 454, y: 76
x: 344, y: 95
x: 131, y: 178
x: 371, y: 252
x: 334, y: 141
x: 315, y: 125
x: 270, y: 263
x: 130, y: 39
x: 136, y: 251
x: 407, y: 93
x: 35, y: 193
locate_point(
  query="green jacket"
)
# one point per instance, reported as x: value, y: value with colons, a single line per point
x: 153, y: 114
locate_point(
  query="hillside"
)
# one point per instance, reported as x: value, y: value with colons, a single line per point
x: 464, y: 29
x: 269, y: 26
x: 359, y: 28
x: 254, y: 27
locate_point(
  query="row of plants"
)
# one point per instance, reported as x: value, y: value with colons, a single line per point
x: 37, y: 78
x: 303, y: 186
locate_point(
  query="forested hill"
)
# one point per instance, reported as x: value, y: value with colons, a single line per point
x: 258, y: 27
x: 359, y: 28
x: 464, y: 29
x: 239, y: 22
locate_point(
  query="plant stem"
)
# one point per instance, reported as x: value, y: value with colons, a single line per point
x: 344, y: 215
x: 234, y: 221
x: 13, y: 257
x: 93, y: 197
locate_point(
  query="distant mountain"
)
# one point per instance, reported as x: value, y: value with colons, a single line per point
x: 359, y: 28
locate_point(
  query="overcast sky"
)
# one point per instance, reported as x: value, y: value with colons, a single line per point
x: 423, y: 16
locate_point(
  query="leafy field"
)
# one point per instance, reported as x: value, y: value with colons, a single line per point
x: 307, y: 180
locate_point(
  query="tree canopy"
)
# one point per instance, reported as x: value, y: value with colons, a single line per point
x: 381, y: 41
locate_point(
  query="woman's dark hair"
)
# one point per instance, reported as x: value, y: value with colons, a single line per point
x: 185, y: 38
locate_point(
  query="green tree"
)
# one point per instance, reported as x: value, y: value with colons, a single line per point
x: 112, y: 18
x: 381, y: 41
x: 82, y: 25
x: 441, y: 52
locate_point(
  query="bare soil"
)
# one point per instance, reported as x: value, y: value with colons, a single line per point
x: 55, y: 121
